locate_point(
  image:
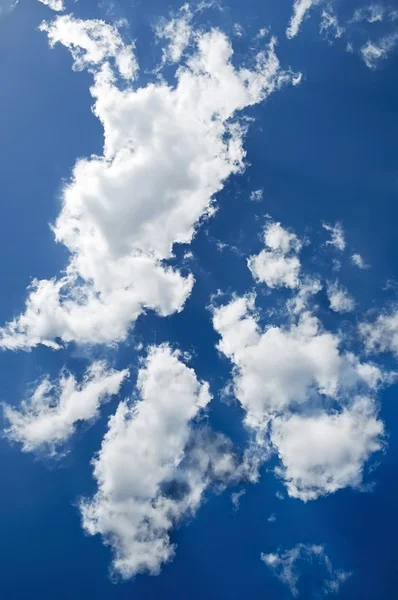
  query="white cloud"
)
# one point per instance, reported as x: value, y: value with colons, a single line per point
x: 381, y: 335
x: 274, y: 267
x: 167, y: 152
x: 178, y: 32
x: 340, y: 300
x: 91, y: 43
x: 373, y: 52
x: 279, y: 239
x: 329, y: 26
x: 235, y: 499
x: 296, y: 385
x: 307, y: 289
x: 48, y: 418
x: 154, y: 465
x: 283, y: 564
x: 257, y: 195
x: 281, y: 367
x: 337, y: 236
x: 359, y: 262
x: 301, y: 9
x: 57, y: 5
x: 372, y: 14
x: 7, y: 6
x: 322, y: 453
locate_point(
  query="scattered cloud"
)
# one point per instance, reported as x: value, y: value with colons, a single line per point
x: 92, y: 43
x: 57, y: 5
x: 284, y: 566
x: 372, y: 14
x: 308, y: 288
x: 235, y: 499
x: 167, y: 152
x: 257, y: 195
x: 329, y: 26
x: 278, y: 265
x: 373, y: 52
x: 339, y: 298
x: 48, y: 418
x: 178, y: 33
x: 337, y: 238
x: 7, y: 6
x: 301, y: 9
x: 359, y: 262
x: 381, y: 334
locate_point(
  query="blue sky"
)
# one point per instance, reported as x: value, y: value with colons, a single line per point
x: 199, y: 318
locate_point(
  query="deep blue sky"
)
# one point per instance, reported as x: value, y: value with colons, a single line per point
x: 322, y: 151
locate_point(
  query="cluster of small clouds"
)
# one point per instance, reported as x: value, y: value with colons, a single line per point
x: 304, y: 397
x: 374, y: 13
x: 284, y: 566
x: 372, y: 51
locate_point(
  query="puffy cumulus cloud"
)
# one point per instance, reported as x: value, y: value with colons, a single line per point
x: 48, y: 418
x: 279, y: 239
x: 284, y: 566
x: 57, y: 5
x: 301, y: 9
x: 322, y: 453
x: 359, y: 262
x: 337, y: 237
x: 278, y: 266
x: 381, y: 334
x: 282, y: 367
x: 339, y: 298
x: 373, y: 52
x: 168, y: 149
x: 154, y: 465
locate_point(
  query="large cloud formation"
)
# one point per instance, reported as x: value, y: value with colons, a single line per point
x: 167, y: 152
